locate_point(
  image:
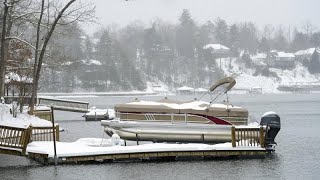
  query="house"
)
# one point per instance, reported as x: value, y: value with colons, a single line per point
x: 282, y: 60
x: 305, y: 55
x: 217, y: 49
x: 260, y: 59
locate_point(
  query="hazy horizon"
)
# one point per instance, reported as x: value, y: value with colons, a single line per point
x: 286, y: 12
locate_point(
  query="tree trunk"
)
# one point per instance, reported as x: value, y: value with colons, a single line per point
x: 41, y: 56
x: 3, y: 53
x: 34, y: 85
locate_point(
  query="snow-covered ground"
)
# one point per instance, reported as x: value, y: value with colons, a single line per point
x: 246, y: 80
x: 23, y: 120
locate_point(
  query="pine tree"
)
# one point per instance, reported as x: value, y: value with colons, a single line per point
x: 221, y: 31
x: 234, y: 39
x: 314, y: 65
x: 264, y: 45
x: 185, y: 36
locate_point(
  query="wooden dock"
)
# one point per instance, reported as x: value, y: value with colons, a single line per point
x: 151, y: 156
x: 246, y: 142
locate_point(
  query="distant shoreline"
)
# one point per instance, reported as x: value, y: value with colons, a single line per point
x: 98, y: 94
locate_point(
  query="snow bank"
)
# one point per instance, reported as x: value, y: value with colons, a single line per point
x: 22, y: 120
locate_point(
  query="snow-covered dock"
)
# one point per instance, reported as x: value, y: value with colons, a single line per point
x: 87, y: 150
x: 34, y: 138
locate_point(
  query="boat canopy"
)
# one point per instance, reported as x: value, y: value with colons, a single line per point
x: 191, y: 107
x: 228, y: 80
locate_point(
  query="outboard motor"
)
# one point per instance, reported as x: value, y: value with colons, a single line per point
x: 272, y: 122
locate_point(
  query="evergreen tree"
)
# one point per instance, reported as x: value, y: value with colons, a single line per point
x: 185, y: 36
x: 221, y: 31
x: 264, y: 45
x: 314, y: 65
x: 315, y: 39
x: 234, y: 39
x: 248, y: 37
x: 280, y: 42
x: 300, y: 41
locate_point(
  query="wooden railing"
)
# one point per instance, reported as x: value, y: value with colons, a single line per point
x: 247, y: 136
x: 44, y: 133
x: 14, y: 140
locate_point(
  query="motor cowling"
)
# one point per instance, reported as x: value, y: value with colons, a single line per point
x: 272, y: 122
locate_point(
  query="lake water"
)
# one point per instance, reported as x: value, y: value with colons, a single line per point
x: 296, y: 156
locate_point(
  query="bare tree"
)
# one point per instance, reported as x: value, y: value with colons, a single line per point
x: 40, y: 53
x: 3, y: 53
x: 308, y: 27
x: 16, y: 12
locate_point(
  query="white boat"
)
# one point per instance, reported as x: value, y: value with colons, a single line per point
x: 172, y: 121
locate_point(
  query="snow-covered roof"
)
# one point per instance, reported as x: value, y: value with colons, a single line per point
x: 285, y: 55
x: 185, y: 88
x: 11, y: 76
x: 215, y: 47
x: 259, y: 56
x: 91, y: 62
x: 309, y: 51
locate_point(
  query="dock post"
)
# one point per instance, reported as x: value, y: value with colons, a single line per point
x: 54, y: 137
x: 261, y: 137
x: 137, y: 139
x: 233, y: 136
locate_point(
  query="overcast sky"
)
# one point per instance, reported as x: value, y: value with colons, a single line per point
x: 288, y: 12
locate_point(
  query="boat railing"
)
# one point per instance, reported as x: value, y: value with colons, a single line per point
x: 168, y: 117
x: 175, y: 118
x: 248, y: 136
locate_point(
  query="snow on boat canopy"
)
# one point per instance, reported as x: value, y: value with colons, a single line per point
x: 168, y: 120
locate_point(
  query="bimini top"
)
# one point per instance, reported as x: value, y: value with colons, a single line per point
x: 191, y: 107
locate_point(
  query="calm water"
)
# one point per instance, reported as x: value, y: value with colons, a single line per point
x: 296, y: 155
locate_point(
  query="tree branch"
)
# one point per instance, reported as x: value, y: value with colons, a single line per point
x: 21, y: 40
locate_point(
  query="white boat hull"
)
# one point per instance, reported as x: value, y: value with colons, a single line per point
x: 169, y: 132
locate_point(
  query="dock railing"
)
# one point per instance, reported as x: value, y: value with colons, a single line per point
x: 44, y: 133
x: 14, y: 140
x: 65, y: 105
x: 247, y: 136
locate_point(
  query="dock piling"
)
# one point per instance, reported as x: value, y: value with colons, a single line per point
x: 54, y: 137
